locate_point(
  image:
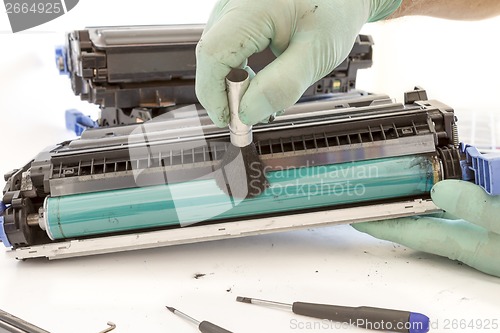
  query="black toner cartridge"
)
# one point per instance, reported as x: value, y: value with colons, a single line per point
x: 134, y: 73
x: 152, y: 184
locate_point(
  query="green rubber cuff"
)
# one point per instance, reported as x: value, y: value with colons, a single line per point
x: 383, y: 10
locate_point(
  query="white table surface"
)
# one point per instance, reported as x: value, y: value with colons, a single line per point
x: 336, y: 265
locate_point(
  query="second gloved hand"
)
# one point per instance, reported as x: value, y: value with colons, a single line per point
x: 309, y: 37
x: 469, y: 231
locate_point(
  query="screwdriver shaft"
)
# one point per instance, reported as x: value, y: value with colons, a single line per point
x: 183, y: 315
x: 204, y: 326
x: 256, y: 301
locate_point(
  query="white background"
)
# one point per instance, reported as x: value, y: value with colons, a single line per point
x: 457, y: 62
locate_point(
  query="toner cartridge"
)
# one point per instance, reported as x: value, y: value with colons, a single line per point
x: 152, y: 184
x: 135, y: 73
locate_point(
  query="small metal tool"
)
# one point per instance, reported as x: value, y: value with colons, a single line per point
x: 13, y: 324
x: 10, y: 323
x: 363, y: 316
x: 204, y: 326
x: 243, y: 173
x: 111, y: 327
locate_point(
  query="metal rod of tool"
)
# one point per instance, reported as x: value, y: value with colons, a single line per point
x: 183, y: 315
x: 13, y: 324
x: 204, y: 326
x: 237, y: 83
x: 111, y: 327
x: 256, y: 301
x: 366, y: 317
x: 243, y: 175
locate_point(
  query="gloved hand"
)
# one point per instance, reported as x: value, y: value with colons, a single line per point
x: 469, y: 231
x: 309, y: 37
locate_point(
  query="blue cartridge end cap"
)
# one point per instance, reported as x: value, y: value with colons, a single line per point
x: 419, y: 323
x: 3, y: 235
x: 484, y: 169
x: 78, y: 122
x: 61, y: 61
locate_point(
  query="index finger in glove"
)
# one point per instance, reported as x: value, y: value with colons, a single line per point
x: 227, y: 42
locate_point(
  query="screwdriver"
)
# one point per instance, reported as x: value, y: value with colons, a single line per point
x: 204, y: 326
x: 363, y: 316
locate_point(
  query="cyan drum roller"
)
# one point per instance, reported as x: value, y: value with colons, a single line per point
x: 198, y: 201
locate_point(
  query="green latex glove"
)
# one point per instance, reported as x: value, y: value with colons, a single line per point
x: 309, y: 37
x: 473, y: 238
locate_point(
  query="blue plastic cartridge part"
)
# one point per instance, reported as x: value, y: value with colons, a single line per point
x: 61, y: 61
x: 3, y: 235
x: 78, y: 122
x: 484, y: 170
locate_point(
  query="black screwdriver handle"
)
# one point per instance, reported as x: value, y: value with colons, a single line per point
x: 363, y: 316
x: 208, y: 327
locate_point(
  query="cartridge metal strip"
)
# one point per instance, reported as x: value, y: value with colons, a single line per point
x: 211, y: 232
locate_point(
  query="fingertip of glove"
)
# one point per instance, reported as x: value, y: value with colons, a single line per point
x: 375, y: 228
x: 220, y: 119
x: 223, y: 120
x: 384, y: 228
x: 254, y: 109
x: 362, y: 227
x: 444, y: 184
x: 258, y: 111
x: 246, y: 118
x: 446, y: 193
x: 451, y: 185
